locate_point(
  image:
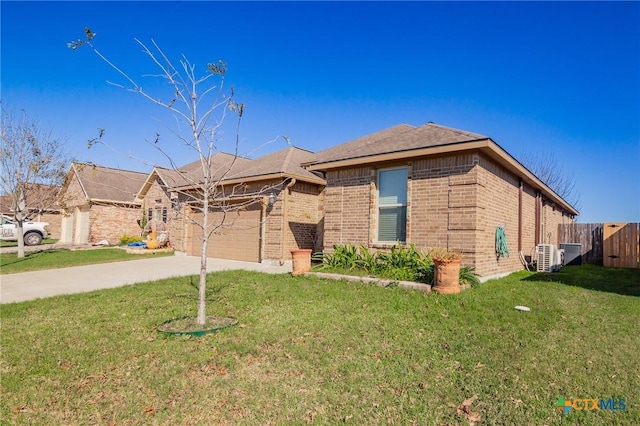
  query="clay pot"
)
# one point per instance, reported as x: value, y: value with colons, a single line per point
x: 301, y: 261
x: 447, y: 276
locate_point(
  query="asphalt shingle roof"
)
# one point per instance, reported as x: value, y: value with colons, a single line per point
x: 287, y: 162
x: 104, y: 183
x: 396, y: 139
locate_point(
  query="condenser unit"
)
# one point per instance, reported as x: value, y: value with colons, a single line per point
x: 549, y: 258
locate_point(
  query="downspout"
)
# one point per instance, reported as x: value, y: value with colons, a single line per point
x: 520, y: 192
x: 285, y: 218
x: 538, y: 212
x: 263, y: 226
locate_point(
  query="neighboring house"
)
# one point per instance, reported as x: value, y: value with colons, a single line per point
x: 263, y: 208
x: 434, y: 186
x: 99, y: 204
x: 40, y: 206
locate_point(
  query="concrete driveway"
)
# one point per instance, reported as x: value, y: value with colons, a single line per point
x: 79, y: 279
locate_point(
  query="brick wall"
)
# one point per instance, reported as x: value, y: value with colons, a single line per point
x: 110, y: 222
x: 454, y: 201
x: 273, y: 229
x: 499, y: 201
x: 347, y: 205
x: 297, y: 227
x: 443, y: 205
x: 528, y: 220
x: 55, y: 222
x: 552, y: 216
x: 73, y: 195
x: 303, y: 216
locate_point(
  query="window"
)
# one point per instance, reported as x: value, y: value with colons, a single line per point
x: 392, y: 205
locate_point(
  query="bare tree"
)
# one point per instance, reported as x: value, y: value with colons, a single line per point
x: 33, y: 167
x: 200, y: 105
x: 548, y: 169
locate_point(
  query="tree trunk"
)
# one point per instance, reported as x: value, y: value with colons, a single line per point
x: 20, y: 236
x: 202, y: 288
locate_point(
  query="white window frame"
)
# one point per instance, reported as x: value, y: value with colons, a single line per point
x: 380, y: 206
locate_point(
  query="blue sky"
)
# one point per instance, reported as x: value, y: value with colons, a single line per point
x: 535, y: 77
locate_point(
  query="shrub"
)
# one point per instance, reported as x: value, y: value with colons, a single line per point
x: 406, y: 264
x: 128, y: 239
x: 468, y: 276
x: 402, y: 263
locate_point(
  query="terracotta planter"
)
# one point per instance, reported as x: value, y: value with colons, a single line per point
x: 447, y: 276
x: 301, y: 261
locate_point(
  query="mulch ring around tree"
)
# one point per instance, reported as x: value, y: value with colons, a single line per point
x: 189, y: 326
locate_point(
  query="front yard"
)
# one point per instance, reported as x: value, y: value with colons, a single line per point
x: 313, y: 351
x: 10, y: 263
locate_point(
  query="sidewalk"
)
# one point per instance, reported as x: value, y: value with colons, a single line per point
x: 79, y: 279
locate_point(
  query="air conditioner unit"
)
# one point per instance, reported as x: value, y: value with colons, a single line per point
x: 549, y: 258
x: 559, y: 259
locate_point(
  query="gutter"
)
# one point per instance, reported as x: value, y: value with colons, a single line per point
x: 285, y: 219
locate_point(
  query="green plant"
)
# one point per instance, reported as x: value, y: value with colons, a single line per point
x: 128, y: 239
x: 405, y: 263
x: 343, y: 257
x: 367, y: 261
x: 468, y: 276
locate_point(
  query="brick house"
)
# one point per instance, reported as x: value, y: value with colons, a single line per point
x: 40, y: 206
x: 99, y: 203
x: 263, y: 207
x: 434, y: 186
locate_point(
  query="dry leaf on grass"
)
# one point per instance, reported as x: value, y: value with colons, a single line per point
x: 465, y: 409
x: 309, y: 417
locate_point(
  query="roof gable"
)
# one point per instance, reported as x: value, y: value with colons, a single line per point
x: 104, y: 183
x: 287, y: 162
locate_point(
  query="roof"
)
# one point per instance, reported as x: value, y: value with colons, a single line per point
x: 39, y: 196
x: 107, y: 184
x: 403, y: 142
x: 399, y: 138
x: 286, y: 162
x: 235, y: 169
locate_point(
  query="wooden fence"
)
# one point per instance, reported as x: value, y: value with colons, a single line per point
x: 608, y: 244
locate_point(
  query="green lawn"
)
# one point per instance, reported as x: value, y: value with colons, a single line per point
x: 15, y: 243
x: 313, y: 351
x: 56, y: 258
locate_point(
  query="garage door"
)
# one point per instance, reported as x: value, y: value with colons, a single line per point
x: 238, y: 239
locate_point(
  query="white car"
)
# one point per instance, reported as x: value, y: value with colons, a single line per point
x: 34, y: 232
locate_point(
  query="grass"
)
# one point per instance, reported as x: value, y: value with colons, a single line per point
x: 313, y: 351
x: 15, y: 243
x: 56, y: 258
